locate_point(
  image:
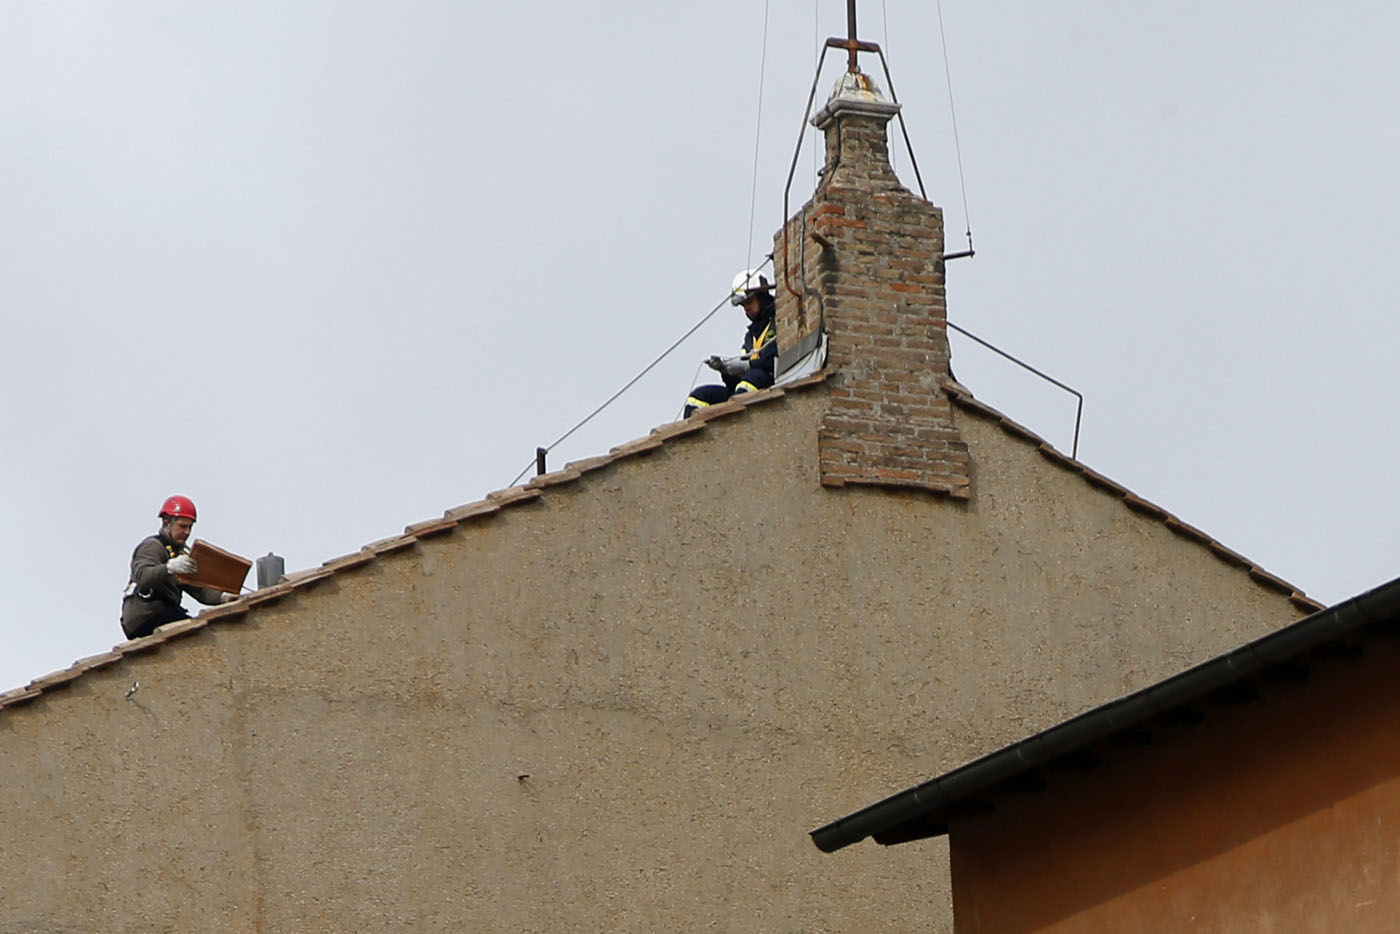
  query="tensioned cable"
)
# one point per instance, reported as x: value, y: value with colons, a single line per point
x: 957, y: 147
x: 633, y: 381
x: 885, y: 22
x: 757, y: 133
x: 816, y: 61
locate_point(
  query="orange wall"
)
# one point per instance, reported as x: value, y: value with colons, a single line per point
x: 1277, y: 815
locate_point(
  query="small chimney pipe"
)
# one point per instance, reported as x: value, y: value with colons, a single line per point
x: 271, y: 569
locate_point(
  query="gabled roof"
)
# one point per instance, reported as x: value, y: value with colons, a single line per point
x: 1079, y: 743
x: 300, y: 581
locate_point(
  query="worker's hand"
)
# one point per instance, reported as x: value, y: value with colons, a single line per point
x: 182, y: 564
x: 715, y: 363
x: 227, y: 597
x: 736, y: 366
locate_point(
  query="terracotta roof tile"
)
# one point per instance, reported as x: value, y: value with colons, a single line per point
x: 512, y: 495
x: 17, y: 696
x: 389, y: 545
x: 267, y: 595
x: 136, y: 646
x: 1305, y: 602
x: 355, y: 559
x: 1099, y: 480
x: 430, y: 527
x: 639, y: 446
x: 478, y: 510
x: 54, y: 678
x: 1187, y: 531
x: 1138, y: 504
x: 687, y: 427
x: 184, y: 627
x: 1230, y: 556
x: 1049, y: 453
x: 590, y: 464
x: 567, y: 475
x: 305, y: 580
x: 225, y: 611
x: 1269, y: 580
x: 93, y: 662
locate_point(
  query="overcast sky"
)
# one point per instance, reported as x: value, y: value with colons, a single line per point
x: 332, y: 268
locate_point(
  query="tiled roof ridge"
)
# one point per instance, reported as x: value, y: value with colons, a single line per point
x: 492, y: 504
x: 532, y: 490
x: 963, y: 398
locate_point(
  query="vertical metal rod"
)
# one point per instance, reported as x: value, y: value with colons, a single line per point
x: 851, y: 36
x: 539, y: 461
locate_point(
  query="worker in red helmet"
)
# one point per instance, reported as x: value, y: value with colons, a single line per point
x: 152, y: 597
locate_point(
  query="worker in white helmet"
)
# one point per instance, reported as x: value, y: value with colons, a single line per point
x: 752, y: 369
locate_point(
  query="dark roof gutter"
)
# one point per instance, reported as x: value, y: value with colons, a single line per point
x: 923, y: 811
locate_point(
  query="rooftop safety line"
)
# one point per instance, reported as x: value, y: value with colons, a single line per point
x: 540, y: 452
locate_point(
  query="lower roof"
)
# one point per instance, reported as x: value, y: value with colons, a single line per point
x: 1076, y: 744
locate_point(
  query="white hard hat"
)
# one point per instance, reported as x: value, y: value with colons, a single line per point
x: 748, y: 280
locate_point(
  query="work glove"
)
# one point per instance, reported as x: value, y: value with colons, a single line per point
x: 715, y: 363
x: 227, y: 597
x: 182, y: 564
x: 736, y: 366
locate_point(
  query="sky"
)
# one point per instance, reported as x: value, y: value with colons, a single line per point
x: 332, y: 268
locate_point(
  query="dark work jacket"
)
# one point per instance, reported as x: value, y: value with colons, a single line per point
x: 761, y: 339
x: 152, y: 590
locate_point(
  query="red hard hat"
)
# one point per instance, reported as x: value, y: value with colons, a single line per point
x: 178, y: 507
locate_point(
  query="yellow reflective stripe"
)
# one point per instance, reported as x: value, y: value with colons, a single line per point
x: 745, y: 386
x: 697, y: 403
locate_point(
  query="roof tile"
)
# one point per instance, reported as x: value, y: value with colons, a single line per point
x: 1138, y: 504
x: 1187, y: 531
x: 55, y: 678
x: 1049, y: 452
x: 14, y: 698
x: 94, y: 662
x: 558, y: 477
x: 430, y: 527
x: 1104, y: 483
x: 226, y: 611
x: 477, y: 510
x: 1269, y: 580
x: 512, y: 495
x: 590, y: 464
x: 1304, y: 602
x: 355, y: 559
x: 1233, y: 557
x: 136, y: 646
x: 183, y: 627
x: 268, y: 594
x: 394, y: 543
x: 639, y: 446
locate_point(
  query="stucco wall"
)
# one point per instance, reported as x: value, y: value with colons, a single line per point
x: 1278, y: 815
x: 695, y: 657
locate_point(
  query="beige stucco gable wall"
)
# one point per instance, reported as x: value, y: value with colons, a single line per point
x: 695, y: 656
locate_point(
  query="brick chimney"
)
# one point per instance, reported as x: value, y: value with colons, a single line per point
x: 864, y: 259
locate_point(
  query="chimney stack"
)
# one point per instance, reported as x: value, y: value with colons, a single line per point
x: 864, y: 259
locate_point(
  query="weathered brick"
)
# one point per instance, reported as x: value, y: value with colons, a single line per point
x: 884, y: 302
